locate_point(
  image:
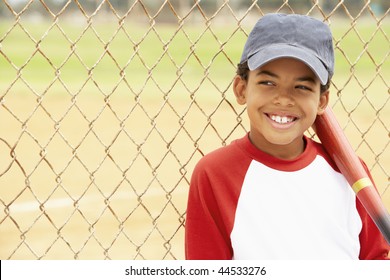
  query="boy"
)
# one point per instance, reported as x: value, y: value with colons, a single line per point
x: 276, y: 194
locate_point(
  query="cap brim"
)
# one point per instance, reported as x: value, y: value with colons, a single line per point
x: 273, y: 52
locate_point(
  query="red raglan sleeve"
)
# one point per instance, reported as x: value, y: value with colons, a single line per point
x: 205, y: 234
x: 373, y: 246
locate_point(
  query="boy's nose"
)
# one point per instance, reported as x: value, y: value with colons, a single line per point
x: 284, y: 97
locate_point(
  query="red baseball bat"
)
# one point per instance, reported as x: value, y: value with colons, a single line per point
x: 339, y: 149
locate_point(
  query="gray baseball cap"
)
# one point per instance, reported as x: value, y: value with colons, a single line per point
x: 290, y: 35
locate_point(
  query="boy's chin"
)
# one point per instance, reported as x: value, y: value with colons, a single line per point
x: 284, y: 140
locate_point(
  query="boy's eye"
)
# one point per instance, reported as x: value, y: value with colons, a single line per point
x: 303, y: 87
x: 266, y: 83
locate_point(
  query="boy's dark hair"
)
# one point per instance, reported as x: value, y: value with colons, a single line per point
x: 243, y: 71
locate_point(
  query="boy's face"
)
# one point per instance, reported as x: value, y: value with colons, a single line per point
x: 283, y: 100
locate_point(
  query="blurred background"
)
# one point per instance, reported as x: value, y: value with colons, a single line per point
x: 106, y: 106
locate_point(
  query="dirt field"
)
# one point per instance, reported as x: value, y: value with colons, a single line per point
x: 81, y: 190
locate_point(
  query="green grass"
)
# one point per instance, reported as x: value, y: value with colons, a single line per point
x: 362, y: 49
x: 103, y: 55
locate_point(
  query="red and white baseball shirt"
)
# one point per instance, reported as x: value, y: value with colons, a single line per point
x: 246, y: 204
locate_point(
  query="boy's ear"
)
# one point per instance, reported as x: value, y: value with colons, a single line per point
x: 324, y: 100
x: 239, y: 89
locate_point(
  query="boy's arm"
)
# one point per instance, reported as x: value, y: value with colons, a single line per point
x: 373, y: 245
x: 205, y: 234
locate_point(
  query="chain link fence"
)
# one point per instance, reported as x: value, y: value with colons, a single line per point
x: 106, y: 106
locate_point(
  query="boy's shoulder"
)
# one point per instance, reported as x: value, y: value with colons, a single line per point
x: 320, y: 150
x: 225, y: 155
x: 225, y: 166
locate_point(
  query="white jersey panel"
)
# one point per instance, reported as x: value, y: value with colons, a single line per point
x: 305, y: 214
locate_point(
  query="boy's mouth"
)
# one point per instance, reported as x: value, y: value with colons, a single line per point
x: 281, y: 119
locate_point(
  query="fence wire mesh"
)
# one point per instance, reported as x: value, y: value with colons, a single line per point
x: 106, y: 106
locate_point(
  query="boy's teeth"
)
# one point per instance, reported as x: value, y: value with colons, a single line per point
x: 281, y: 120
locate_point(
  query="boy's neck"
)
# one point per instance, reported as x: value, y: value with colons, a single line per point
x: 285, y: 152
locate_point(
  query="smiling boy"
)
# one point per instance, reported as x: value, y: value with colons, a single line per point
x: 276, y: 194
x: 283, y: 100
